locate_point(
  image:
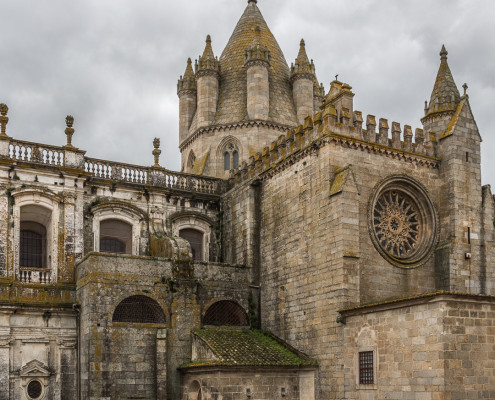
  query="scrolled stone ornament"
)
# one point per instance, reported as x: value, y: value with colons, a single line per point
x: 4, y: 120
x: 69, y: 131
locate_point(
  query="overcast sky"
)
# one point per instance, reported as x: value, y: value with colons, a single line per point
x: 114, y: 64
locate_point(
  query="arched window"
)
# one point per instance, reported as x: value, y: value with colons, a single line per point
x: 139, y: 309
x: 225, y: 312
x: 191, y: 160
x: 32, y: 249
x: 34, y: 224
x: 115, y: 236
x: 195, y: 239
x: 230, y: 157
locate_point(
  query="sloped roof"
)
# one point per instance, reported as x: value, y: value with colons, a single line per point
x: 445, y: 95
x: 233, y: 93
x: 249, y: 348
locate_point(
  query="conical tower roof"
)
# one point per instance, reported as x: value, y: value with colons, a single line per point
x: 445, y: 95
x: 233, y: 91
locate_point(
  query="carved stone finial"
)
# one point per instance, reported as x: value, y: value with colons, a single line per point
x: 465, y: 87
x: 253, y: 1
x: 156, y: 151
x: 69, y: 131
x: 3, y: 119
x: 443, y: 53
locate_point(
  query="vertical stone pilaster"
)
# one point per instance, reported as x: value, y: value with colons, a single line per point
x: 4, y: 367
x: 161, y: 364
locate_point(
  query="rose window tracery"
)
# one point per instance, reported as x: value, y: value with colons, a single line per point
x: 396, y: 223
x: 402, y: 222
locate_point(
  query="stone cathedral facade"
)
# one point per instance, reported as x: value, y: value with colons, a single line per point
x: 304, y: 252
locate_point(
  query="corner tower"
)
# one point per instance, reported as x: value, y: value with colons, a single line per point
x: 255, y: 102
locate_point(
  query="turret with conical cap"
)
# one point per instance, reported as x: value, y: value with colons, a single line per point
x: 207, y: 75
x: 186, y: 90
x: 303, y: 78
x: 444, y: 98
x: 257, y: 63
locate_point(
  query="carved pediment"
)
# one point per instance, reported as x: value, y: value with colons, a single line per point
x: 35, y: 368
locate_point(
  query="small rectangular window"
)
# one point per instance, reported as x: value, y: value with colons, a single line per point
x: 366, y: 373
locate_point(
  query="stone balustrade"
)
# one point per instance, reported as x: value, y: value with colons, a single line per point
x: 34, y: 275
x: 60, y: 157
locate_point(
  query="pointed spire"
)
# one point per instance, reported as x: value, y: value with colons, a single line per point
x: 445, y: 95
x: 188, y: 81
x: 302, y: 64
x: 208, y: 61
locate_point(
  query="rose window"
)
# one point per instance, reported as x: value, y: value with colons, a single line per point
x: 396, y: 223
x: 402, y: 222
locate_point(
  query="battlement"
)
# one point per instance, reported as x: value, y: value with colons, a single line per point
x: 345, y: 129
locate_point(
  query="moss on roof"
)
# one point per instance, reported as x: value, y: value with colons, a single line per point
x: 249, y: 348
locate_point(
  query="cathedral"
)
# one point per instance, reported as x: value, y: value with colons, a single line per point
x: 305, y: 251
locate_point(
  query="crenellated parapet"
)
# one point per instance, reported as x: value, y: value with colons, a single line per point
x: 346, y: 130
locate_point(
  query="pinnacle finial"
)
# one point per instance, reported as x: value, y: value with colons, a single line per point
x: 465, y: 87
x: 443, y: 53
x: 252, y: 1
x: 69, y: 131
x: 303, y: 43
x: 156, y: 151
x: 208, y: 39
x: 3, y: 120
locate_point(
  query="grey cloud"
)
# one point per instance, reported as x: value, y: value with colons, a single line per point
x: 114, y: 64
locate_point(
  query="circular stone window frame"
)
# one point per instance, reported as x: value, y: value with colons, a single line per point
x: 429, y: 219
x: 42, y: 385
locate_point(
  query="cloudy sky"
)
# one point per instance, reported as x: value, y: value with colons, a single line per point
x: 114, y: 64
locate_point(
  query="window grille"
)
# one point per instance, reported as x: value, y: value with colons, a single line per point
x: 366, y: 373
x: 31, y: 249
x: 112, y: 245
x: 34, y: 389
x: 225, y: 313
x: 139, y: 309
x: 195, y: 239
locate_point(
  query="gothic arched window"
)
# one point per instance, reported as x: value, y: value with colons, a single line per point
x: 230, y: 157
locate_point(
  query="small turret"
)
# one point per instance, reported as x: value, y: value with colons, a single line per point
x: 207, y: 76
x: 186, y: 90
x: 318, y: 95
x: 444, y: 98
x: 257, y: 64
x: 303, y: 77
x: 341, y: 97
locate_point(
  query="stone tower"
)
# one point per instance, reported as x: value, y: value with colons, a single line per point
x: 449, y: 120
x: 245, y: 100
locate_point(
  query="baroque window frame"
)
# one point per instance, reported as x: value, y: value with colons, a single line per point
x: 37, y: 198
x: 121, y: 212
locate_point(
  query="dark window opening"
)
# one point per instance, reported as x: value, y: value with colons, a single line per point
x: 139, y: 309
x: 115, y: 237
x: 110, y: 245
x: 230, y: 157
x: 32, y: 252
x: 366, y: 373
x: 34, y: 389
x: 225, y: 313
x: 195, y: 239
